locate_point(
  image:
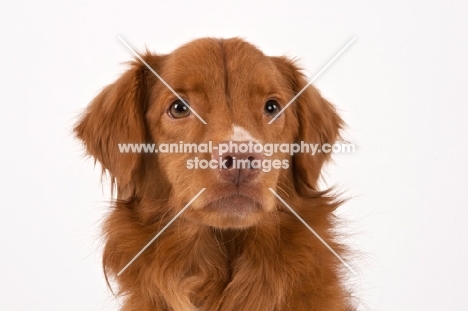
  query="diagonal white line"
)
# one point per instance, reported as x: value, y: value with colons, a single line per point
x: 161, y: 79
x: 313, y: 231
x: 314, y: 78
x: 160, y: 232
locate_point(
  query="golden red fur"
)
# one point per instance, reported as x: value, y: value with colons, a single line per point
x: 236, y: 247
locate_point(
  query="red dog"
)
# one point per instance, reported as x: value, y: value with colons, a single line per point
x: 236, y: 247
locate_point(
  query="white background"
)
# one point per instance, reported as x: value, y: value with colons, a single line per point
x: 401, y: 87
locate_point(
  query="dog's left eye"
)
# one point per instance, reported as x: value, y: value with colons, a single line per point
x: 179, y: 110
x: 271, y: 108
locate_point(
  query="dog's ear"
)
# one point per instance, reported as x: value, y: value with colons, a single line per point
x: 318, y: 123
x: 116, y: 116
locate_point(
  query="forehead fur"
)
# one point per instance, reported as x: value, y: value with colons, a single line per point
x: 233, y: 66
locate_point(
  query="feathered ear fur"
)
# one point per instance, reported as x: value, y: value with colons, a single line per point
x: 318, y: 124
x: 116, y: 116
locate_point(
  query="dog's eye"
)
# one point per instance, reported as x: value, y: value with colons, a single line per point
x: 179, y: 110
x: 271, y: 108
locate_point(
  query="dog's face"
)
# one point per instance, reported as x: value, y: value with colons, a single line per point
x: 237, y: 90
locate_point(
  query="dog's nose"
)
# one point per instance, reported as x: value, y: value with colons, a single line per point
x: 237, y: 160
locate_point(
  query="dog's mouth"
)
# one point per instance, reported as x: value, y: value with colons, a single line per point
x: 229, y: 207
x: 226, y: 198
x: 237, y: 203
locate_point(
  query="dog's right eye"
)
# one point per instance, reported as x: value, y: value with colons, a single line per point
x: 179, y: 110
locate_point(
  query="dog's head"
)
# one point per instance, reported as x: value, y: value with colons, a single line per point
x: 237, y: 90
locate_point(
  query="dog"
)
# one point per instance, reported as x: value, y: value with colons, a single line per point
x: 236, y: 246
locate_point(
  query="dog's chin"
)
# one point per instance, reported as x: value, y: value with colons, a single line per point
x: 231, y: 211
